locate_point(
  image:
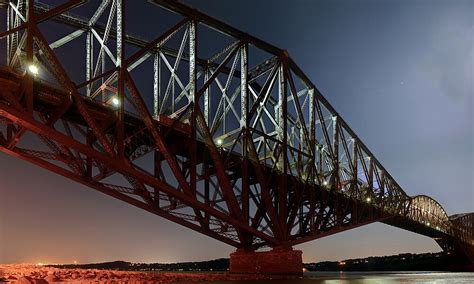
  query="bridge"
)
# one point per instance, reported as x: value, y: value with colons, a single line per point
x: 204, y: 125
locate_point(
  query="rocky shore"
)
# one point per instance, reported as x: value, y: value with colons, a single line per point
x: 25, y: 274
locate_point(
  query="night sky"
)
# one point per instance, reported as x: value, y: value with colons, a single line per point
x: 399, y: 72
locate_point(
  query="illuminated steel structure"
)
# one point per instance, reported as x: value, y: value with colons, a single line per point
x: 237, y: 144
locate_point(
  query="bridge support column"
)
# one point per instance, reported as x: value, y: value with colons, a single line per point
x: 278, y: 261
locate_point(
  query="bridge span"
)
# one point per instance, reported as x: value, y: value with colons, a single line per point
x: 231, y: 140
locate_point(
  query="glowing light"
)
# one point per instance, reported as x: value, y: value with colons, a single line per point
x: 75, y: 261
x: 219, y: 142
x: 368, y: 199
x: 427, y: 223
x: 342, y: 263
x: 40, y: 264
x: 325, y: 183
x: 33, y: 69
x: 437, y: 228
x: 115, y: 101
x: 305, y: 269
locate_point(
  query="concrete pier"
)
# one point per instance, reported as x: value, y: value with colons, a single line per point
x: 278, y: 261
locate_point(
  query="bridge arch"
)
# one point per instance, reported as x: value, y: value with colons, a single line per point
x: 425, y: 210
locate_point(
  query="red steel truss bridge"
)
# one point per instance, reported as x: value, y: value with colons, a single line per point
x: 203, y: 124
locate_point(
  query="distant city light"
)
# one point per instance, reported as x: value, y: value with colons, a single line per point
x: 33, y: 69
x: 342, y: 263
x: 40, y: 264
x: 115, y: 101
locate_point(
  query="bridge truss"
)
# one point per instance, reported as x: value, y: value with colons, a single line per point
x: 231, y: 140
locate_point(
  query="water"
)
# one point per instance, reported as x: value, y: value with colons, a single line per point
x: 369, y: 277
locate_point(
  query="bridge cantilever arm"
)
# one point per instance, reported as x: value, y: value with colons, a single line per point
x: 319, y: 97
x: 38, y: 128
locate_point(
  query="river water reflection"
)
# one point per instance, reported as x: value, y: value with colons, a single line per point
x: 369, y: 277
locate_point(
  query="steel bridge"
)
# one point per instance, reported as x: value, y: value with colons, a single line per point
x: 204, y: 125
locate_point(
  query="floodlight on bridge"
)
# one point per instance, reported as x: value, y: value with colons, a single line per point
x: 33, y: 69
x: 115, y: 101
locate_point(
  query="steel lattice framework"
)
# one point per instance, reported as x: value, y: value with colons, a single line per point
x: 237, y: 144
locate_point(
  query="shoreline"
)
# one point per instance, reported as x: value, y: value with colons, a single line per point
x: 36, y: 274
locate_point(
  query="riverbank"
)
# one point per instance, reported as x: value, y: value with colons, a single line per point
x: 38, y: 274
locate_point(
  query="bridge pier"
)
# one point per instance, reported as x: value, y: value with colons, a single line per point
x: 278, y: 261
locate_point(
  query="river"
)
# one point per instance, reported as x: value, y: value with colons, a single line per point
x: 369, y: 277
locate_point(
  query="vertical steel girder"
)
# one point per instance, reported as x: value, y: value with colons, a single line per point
x: 248, y: 153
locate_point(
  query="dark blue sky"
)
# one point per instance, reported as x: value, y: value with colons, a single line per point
x: 399, y: 72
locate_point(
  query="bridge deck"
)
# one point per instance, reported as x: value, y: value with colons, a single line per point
x: 48, y: 98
